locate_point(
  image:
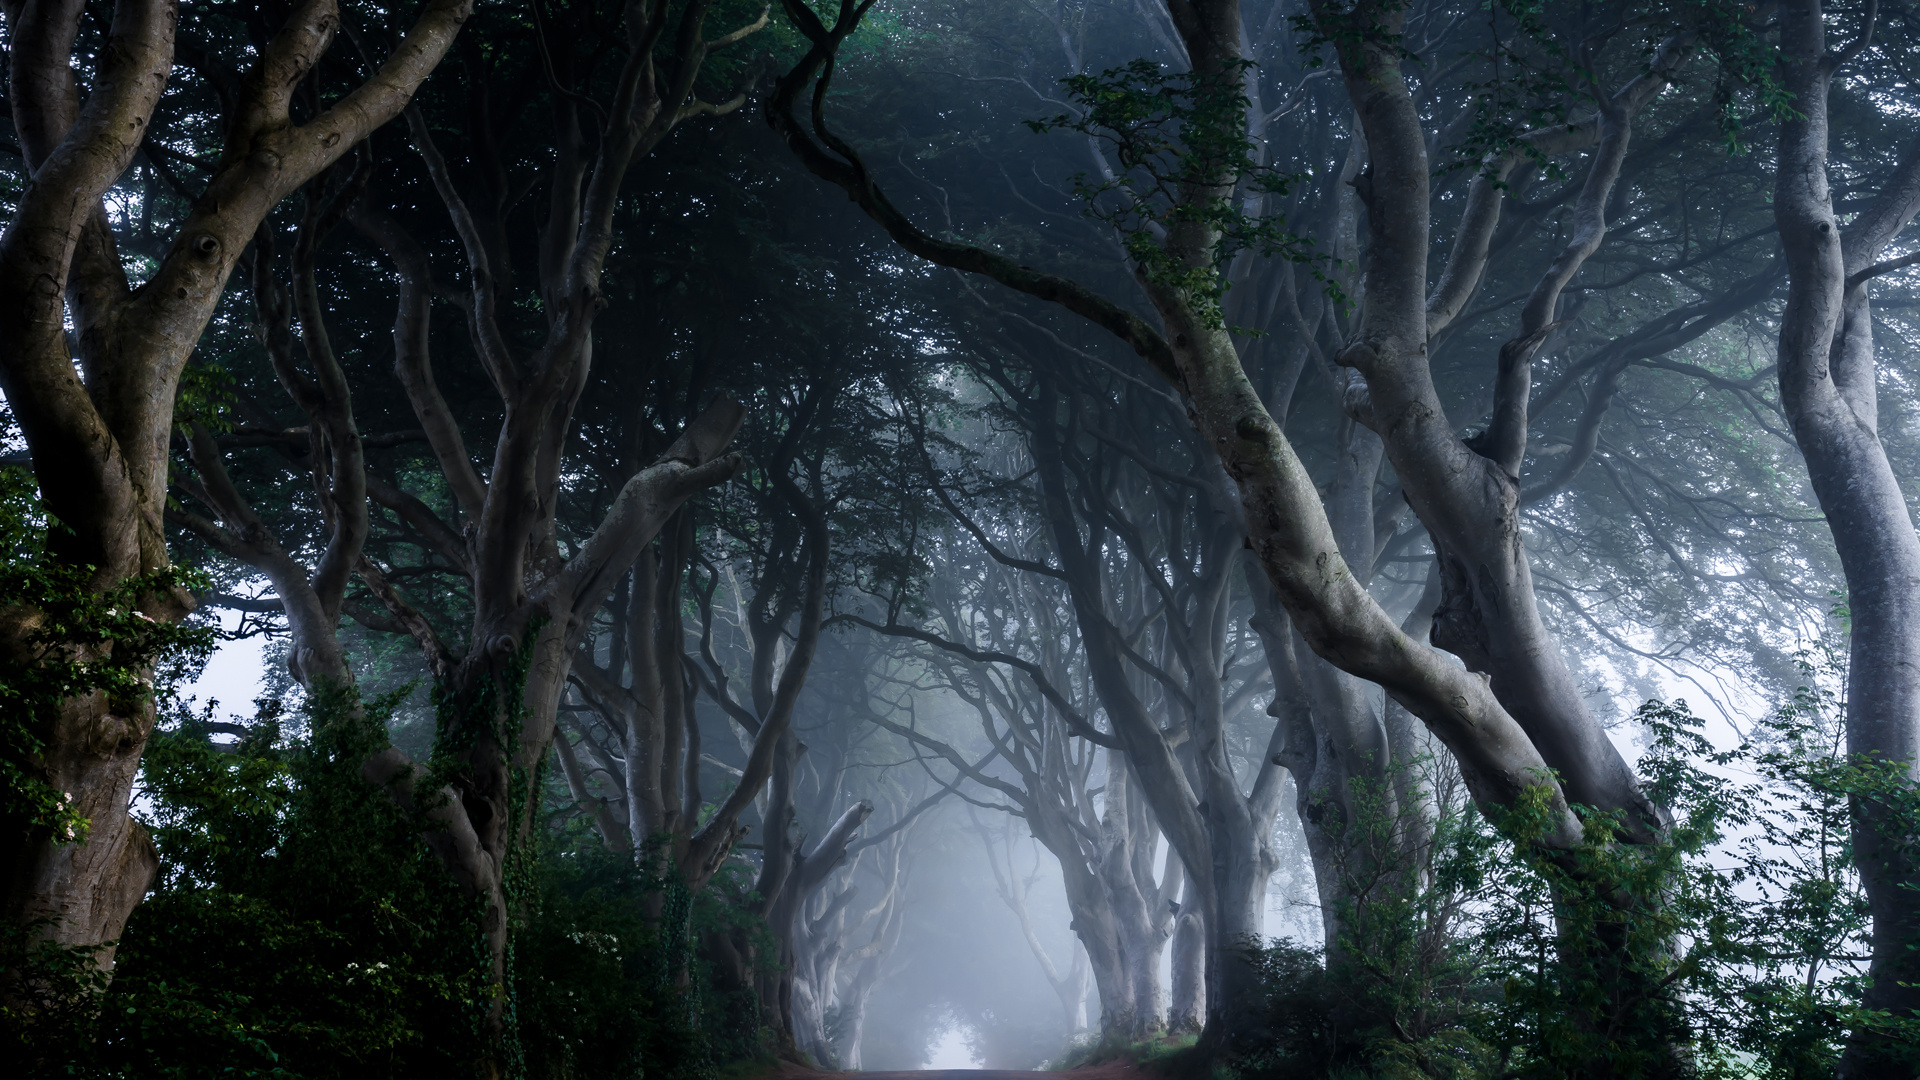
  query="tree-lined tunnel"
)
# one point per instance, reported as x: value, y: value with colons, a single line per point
x: 705, y: 538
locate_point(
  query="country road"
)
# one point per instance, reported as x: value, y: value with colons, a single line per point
x: 788, y: 1071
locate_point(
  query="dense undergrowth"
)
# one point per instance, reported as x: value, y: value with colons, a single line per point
x: 1733, y: 948
x: 299, y: 928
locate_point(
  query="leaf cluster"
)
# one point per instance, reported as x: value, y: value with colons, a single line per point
x: 72, y: 639
x: 1733, y: 947
x: 1185, y: 160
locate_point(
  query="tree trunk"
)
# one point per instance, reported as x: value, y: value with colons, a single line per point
x: 87, y: 889
x: 1828, y: 388
x: 1186, y: 1013
x: 498, y: 704
x: 496, y: 719
x: 1109, y: 917
x: 98, y: 429
x: 891, y: 915
x: 1316, y: 786
x: 788, y: 882
x: 1113, y: 978
x: 1244, y: 860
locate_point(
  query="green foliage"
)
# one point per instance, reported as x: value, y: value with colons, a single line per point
x: 1730, y: 948
x: 1808, y: 932
x: 214, y: 813
x: 588, y: 996
x: 206, y: 397
x: 1598, y: 949
x: 1408, y: 991
x: 78, y: 638
x: 1532, y: 84
x: 1747, y: 65
x: 1165, y: 1054
x: 300, y: 928
x: 213, y: 979
x: 52, y: 992
x: 298, y: 912
x: 1185, y: 159
x: 723, y: 929
x: 606, y: 983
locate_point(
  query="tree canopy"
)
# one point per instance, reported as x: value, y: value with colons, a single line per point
x: 1294, y: 537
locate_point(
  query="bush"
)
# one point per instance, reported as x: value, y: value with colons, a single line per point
x: 300, y: 928
x: 1733, y: 947
x: 601, y: 991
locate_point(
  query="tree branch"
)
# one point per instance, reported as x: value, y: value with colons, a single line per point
x: 834, y: 160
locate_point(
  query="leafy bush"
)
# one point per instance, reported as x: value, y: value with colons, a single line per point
x: 300, y: 928
x: 1734, y: 947
x: 80, y: 639
x: 606, y: 986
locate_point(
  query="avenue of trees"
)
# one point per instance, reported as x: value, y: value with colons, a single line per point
x: 1307, y: 538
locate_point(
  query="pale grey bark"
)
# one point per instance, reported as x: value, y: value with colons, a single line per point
x: 874, y: 960
x: 598, y: 807
x: 1828, y: 388
x: 645, y: 706
x: 796, y: 995
x: 1468, y: 496
x: 831, y: 973
x: 1187, y: 1004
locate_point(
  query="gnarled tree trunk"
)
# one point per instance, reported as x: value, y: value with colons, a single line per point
x: 98, y: 429
x: 1827, y: 386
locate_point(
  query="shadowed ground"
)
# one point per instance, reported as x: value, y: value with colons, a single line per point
x: 1097, y: 1072
x: 1092, y: 1072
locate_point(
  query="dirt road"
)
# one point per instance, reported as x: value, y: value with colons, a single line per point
x: 1096, y: 1072
x: 1092, y: 1072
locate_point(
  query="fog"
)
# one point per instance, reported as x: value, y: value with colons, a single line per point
x: 1302, y: 538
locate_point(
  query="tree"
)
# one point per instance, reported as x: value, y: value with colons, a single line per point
x: 1827, y: 386
x: 740, y: 601
x: 1071, y: 987
x: 1011, y: 653
x: 875, y: 958
x: 532, y: 601
x: 311, y: 599
x: 1287, y: 526
x: 96, y: 407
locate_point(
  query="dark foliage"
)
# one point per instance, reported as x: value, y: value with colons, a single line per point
x: 1731, y: 949
x: 301, y: 929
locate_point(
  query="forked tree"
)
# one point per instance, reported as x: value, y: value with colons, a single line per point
x: 1512, y: 716
x: 90, y: 360
x: 1828, y: 388
x: 533, y: 598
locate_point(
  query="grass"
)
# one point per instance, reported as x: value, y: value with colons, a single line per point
x: 1158, y: 1050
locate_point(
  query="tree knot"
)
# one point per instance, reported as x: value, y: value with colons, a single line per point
x: 1255, y: 428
